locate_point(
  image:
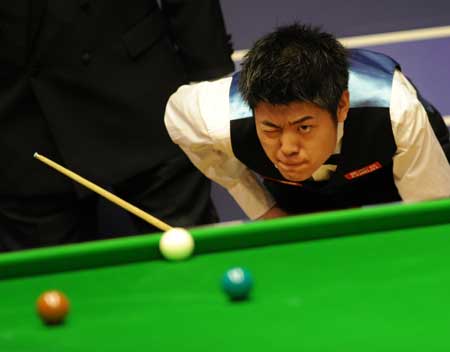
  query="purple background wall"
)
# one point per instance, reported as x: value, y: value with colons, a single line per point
x: 249, y: 19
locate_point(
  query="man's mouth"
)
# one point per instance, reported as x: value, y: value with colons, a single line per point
x: 289, y: 166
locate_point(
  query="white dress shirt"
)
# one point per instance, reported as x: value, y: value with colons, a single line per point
x: 198, y: 120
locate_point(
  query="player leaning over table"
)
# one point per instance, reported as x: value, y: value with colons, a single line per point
x: 324, y: 127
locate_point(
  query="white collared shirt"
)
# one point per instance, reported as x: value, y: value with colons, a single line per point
x: 197, y: 119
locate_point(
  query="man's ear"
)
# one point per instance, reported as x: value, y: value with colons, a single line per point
x: 343, y: 106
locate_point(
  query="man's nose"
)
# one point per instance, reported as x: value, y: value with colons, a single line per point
x: 289, y: 144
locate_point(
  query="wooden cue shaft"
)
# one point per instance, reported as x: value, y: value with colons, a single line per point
x: 104, y: 193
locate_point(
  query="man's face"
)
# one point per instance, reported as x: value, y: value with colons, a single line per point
x: 299, y: 137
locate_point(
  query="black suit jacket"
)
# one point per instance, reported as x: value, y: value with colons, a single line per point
x: 86, y: 81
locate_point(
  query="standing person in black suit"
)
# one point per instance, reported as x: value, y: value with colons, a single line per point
x: 85, y: 83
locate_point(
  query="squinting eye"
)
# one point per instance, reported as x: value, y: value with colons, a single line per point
x: 304, y: 128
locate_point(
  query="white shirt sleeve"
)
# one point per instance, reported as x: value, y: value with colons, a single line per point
x: 197, y: 119
x: 421, y: 170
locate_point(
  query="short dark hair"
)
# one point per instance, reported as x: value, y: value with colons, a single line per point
x: 295, y: 63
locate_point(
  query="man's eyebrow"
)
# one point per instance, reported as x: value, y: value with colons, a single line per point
x: 269, y: 124
x: 301, y: 119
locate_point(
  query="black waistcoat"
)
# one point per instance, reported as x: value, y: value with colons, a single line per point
x: 364, y: 166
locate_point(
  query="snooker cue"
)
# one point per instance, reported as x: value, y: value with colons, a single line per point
x: 104, y: 193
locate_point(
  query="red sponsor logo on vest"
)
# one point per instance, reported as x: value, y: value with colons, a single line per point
x: 363, y: 171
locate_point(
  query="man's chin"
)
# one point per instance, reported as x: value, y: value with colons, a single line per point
x: 296, y: 177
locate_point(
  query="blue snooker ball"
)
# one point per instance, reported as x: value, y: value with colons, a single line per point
x: 237, y: 283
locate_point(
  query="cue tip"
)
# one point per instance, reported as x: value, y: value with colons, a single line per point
x: 35, y: 155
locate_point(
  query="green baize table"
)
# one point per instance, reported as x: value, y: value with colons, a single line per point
x: 370, y: 279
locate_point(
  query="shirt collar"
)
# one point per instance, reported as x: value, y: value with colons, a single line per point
x: 340, y: 134
x: 324, y: 172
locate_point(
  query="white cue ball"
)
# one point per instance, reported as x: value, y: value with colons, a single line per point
x: 176, y: 244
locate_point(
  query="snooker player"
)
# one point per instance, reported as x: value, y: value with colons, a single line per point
x: 323, y: 127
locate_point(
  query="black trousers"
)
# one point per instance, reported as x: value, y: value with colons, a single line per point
x: 173, y: 191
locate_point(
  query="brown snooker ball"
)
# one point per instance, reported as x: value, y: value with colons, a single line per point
x: 52, y: 307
